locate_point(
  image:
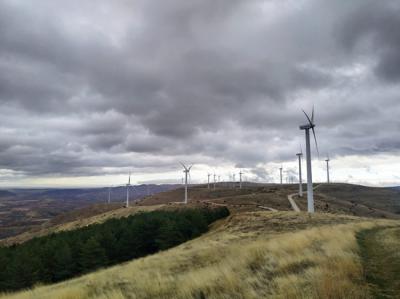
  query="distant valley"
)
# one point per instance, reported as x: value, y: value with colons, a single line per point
x: 24, y: 209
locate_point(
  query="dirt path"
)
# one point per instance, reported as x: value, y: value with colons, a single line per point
x: 294, y: 205
x: 251, y: 204
x: 381, y: 260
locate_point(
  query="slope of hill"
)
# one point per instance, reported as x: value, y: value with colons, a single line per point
x: 248, y: 255
x: 362, y: 200
x: 353, y: 200
x: 376, y: 197
x: 24, y: 209
x: 77, y: 219
x: 253, y: 254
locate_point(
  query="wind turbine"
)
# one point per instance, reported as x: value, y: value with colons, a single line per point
x: 186, y: 171
x: 127, y: 191
x: 109, y: 195
x: 327, y: 169
x: 280, y: 170
x: 240, y: 179
x: 234, y: 180
x: 306, y: 128
x: 299, y: 155
x: 215, y: 177
x: 208, y: 180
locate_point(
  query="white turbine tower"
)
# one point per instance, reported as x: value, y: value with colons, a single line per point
x: 299, y: 155
x: 208, y: 180
x: 327, y: 169
x: 306, y: 128
x: 280, y: 170
x: 109, y: 195
x: 127, y: 191
x: 240, y: 179
x: 215, y: 178
x: 186, y: 170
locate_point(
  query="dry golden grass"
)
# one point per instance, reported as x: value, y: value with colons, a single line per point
x: 249, y: 255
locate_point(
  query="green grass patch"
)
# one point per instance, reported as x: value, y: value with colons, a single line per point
x: 380, y: 254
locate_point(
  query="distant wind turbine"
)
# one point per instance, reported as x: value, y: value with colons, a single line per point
x: 280, y: 170
x: 327, y: 169
x: 186, y: 170
x: 109, y: 195
x: 240, y: 179
x: 208, y: 180
x: 215, y: 178
x: 127, y: 191
x: 306, y: 128
x: 299, y: 155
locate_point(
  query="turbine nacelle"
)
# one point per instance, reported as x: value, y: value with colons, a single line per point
x: 310, y: 126
x: 186, y: 169
x: 307, y: 126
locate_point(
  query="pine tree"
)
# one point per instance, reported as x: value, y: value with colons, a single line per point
x: 92, y: 255
x: 63, y: 262
x: 169, y: 235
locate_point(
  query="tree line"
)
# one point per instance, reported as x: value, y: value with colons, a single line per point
x: 63, y: 255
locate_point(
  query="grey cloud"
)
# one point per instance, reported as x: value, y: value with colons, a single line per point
x: 373, y: 27
x: 261, y: 174
x: 86, y: 88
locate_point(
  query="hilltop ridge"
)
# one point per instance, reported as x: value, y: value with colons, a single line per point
x: 353, y: 200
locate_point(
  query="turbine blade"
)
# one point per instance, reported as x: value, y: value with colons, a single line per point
x: 312, y: 114
x: 315, y: 139
x: 183, y: 165
x: 309, y: 120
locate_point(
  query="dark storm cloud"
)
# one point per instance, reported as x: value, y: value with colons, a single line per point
x: 88, y: 89
x: 373, y: 29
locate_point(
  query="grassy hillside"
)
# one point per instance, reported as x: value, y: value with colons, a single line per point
x: 65, y: 255
x: 77, y: 219
x: 23, y: 210
x: 253, y: 254
x: 248, y: 255
x: 383, y: 199
x: 333, y: 198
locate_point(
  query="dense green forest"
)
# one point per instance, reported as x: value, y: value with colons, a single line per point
x: 66, y: 254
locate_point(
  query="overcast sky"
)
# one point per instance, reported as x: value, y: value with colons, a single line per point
x: 90, y: 90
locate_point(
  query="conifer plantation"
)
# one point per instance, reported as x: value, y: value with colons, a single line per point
x: 66, y: 254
